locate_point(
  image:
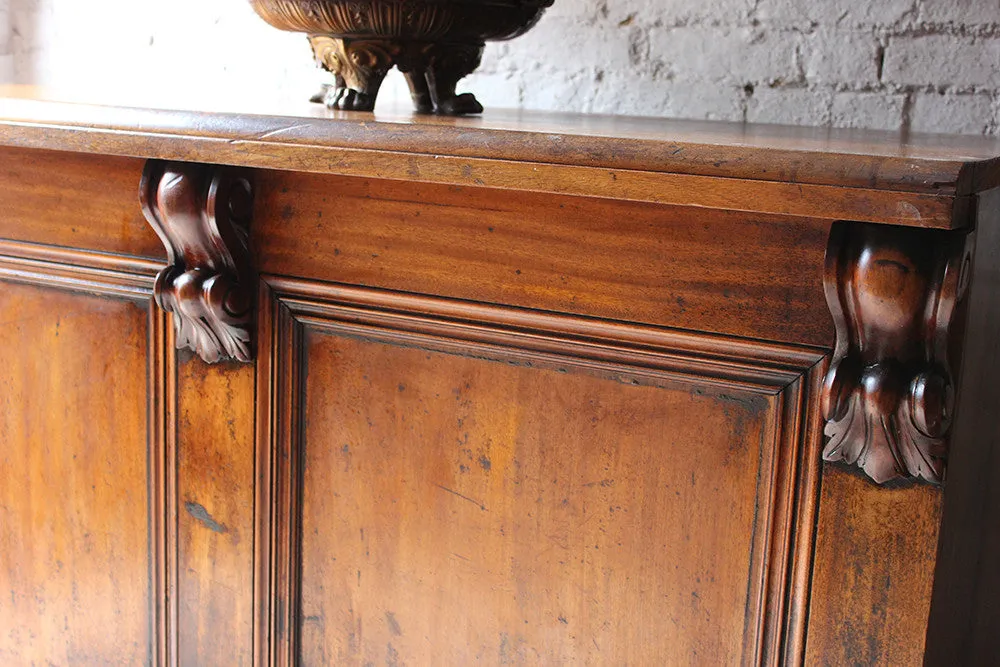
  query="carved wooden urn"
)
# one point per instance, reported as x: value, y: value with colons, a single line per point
x: 434, y: 43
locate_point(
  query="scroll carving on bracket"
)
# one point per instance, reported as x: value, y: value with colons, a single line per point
x: 202, y: 214
x: 897, y: 297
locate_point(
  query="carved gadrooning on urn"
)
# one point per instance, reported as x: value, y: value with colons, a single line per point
x: 202, y: 214
x: 896, y: 295
x: 435, y: 43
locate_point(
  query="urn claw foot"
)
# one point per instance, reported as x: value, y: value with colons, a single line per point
x: 348, y: 99
x: 358, y: 66
x: 435, y: 43
x: 432, y: 72
x: 459, y: 105
x: 339, y: 96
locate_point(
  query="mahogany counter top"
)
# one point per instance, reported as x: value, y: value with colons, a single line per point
x: 919, y: 180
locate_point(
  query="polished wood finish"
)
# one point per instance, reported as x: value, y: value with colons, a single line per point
x: 863, y: 159
x: 918, y: 180
x: 81, y: 477
x: 202, y: 215
x: 898, y: 303
x: 74, y: 201
x: 480, y: 476
x: 505, y: 501
x: 215, y: 522
x: 873, y: 572
x: 619, y: 260
x: 521, y: 395
x: 965, y: 622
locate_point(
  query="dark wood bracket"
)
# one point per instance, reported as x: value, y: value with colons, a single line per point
x: 202, y: 214
x: 897, y: 297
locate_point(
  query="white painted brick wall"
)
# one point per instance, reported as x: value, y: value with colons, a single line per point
x: 845, y: 13
x: 6, y: 55
x: 856, y: 62
x: 961, y: 63
x: 925, y: 65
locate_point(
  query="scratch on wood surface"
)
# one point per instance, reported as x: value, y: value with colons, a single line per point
x: 290, y: 128
x: 456, y: 493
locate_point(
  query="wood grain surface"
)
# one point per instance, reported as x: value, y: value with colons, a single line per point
x: 76, y: 501
x: 865, y: 177
x: 417, y: 446
x: 965, y: 620
x: 873, y: 571
x: 531, y: 389
x: 215, y: 490
x: 820, y: 156
x: 485, y: 513
x: 681, y: 267
x: 73, y: 200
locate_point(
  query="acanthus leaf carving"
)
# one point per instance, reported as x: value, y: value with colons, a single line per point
x: 896, y: 296
x: 202, y: 214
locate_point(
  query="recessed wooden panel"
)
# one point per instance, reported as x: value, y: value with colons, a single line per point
x: 76, y: 545
x: 215, y: 494
x: 873, y: 572
x: 457, y: 510
x: 748, y: 275
x: 74, y: 200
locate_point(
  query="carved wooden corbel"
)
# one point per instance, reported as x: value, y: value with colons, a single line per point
x: 896, y: 295
x: 202, y: 214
